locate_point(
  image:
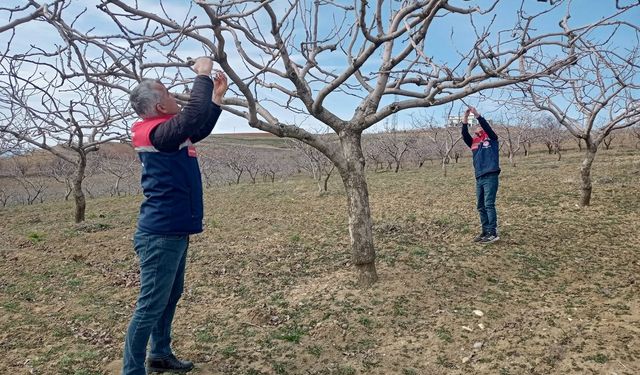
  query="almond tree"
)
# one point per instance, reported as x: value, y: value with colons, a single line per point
x: 316, y: 163
x: 442, y: 139
x: 608, y: 140
x: 372, y: 149
x: 9, y: 145
x: 551, y: 133
x: 636, y: 134
x: 517, y: 134
x: 423, y: 150
x: 32, y: 182
x: 62, y: 171
x: 70, y: 123
x: 122, y: 166
x: 593, y: 97
x: 395, y: 145
x: 341, y: 64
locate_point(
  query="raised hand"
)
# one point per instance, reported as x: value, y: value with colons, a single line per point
x: 203, y: 66
x: 220, y: 86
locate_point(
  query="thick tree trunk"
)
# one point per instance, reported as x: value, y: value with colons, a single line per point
x: 363, y: 253
x: 78, y: 194
x: 585, y: 175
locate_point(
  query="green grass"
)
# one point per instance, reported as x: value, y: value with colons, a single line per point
x: 444, y: 334
x: 598, y: 358
x: 35, y: 237
x: 292, y: 334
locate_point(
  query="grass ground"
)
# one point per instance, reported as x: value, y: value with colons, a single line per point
x: 270, y: 289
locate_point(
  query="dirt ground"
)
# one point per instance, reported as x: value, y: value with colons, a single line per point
x: 270, y: 288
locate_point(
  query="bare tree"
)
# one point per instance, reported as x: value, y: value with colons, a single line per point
x: 592, y: 98
x: 122, y: 166
x: 636, y: 134
x: 442, y: 139
x: 5, y: 196
x: 271, y: 164
x: 579, y: 143
x: 423, y: 150
x: 207, y: 161
x: 608, y: 140
x: 62, y: 171
x: 69, y: 123
x: 9, y: 145
x: 288, y: 57
x: 517, y: 134
x: 551, y: 133
x: 372, y: 150
x: 250, y: 163
x: 32, y: 183
x: 396, y: 145
x: 316, y: 163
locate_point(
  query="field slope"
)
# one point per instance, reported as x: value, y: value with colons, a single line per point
x: 270, y: 289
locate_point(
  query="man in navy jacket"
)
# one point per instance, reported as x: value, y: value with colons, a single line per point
x: 171, y: 211
x: 486, y: 162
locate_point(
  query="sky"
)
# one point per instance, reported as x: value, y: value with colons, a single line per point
x: 446, y: 36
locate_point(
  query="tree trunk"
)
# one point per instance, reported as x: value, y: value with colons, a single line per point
x: 78, y: 194
x: 117, y: 186
x: 585, y: 174
x: 444, y: 166
x: 68, y: 189
x: 363, y: 253
x: 325, y: 185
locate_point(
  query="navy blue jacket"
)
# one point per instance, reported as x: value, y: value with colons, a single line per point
x: 171, y: 181
x: 485, y: 148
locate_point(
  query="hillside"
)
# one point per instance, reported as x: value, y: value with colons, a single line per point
x: 270, y: 289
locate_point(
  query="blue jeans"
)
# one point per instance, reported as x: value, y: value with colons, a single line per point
x: 486, y: 190
x: 162, y: 263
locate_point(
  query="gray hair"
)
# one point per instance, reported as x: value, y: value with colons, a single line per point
x: 144, y: 98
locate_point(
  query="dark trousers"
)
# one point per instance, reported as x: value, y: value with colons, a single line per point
x: 486, y: 190
x: 162, y: 263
